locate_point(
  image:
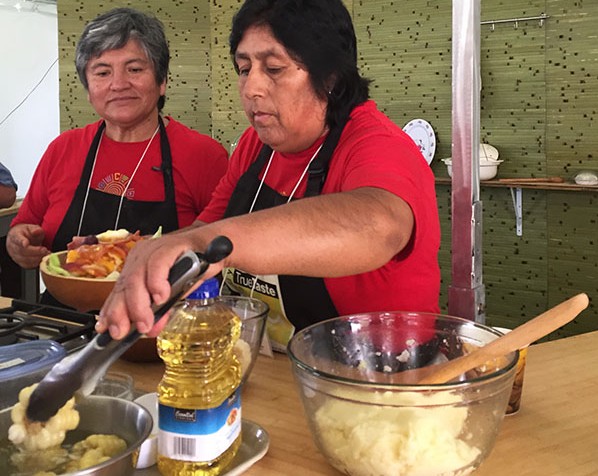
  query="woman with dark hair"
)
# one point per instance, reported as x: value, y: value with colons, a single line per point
x: 330, y: 206
x: 133, y: 168
x: 322, y: 39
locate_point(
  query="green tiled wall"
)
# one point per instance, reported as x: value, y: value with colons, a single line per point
x: 539, y: 104
x: 188, y: 29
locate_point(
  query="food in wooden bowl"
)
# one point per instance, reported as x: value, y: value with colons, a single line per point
x: 83, y: 294
x: 83, y: 276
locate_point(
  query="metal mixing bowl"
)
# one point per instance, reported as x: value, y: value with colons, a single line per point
x: 365, y: 424
x: 107, y: 415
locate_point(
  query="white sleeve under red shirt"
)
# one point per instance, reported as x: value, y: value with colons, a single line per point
x: 198, y: 163
x: 372, y: 152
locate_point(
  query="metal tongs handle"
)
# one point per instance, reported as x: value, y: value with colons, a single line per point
x: 184, y: 273
x: 81, y: 372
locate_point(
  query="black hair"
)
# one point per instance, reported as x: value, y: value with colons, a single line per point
x: 319, y: 34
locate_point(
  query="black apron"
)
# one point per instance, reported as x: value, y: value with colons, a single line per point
x: 101, y: 208
x: 306, y: 299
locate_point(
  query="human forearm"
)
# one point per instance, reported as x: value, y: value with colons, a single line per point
x: 331, y: 235
x: 8, y: 196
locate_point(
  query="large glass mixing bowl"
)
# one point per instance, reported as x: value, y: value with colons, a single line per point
x: 366, y: 424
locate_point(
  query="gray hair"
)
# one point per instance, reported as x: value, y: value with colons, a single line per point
x: 113, y: 29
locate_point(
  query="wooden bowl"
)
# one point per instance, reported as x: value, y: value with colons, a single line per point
x: 89, y: 294
x: 144, y: 350
x: 83, y: 294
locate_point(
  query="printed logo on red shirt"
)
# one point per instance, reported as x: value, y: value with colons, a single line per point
x: 116, y: 183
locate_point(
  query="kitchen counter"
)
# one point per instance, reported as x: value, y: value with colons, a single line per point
x: 554, y: 433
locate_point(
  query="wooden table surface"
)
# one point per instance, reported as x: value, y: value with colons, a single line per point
x: 555, y: 432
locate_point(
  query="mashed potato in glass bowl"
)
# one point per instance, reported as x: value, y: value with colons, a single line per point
x: 366, y: 425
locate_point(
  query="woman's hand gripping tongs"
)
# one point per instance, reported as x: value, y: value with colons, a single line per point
x: 80, y: 372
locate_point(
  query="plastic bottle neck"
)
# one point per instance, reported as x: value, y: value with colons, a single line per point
x: 207, y: 292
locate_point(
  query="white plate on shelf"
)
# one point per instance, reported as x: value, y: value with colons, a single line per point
x: 423, y: 135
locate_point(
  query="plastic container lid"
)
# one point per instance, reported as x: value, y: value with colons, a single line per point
x: 210, y: 288
x: 23, y: 359
x: 24, y: 364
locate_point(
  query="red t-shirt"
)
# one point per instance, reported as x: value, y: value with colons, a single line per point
x: 198, y: 163
x: 372, y: 152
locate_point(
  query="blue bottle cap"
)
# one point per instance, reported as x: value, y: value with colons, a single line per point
x: 210, y: 288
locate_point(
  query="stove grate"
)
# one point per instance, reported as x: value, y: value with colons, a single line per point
x: 69, y: 327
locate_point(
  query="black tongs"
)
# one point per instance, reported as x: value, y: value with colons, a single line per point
x: 80, y: 372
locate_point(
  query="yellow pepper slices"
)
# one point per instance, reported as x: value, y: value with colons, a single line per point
x: 101, y: 259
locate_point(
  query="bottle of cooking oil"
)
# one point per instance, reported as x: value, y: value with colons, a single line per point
x: 199, y: 395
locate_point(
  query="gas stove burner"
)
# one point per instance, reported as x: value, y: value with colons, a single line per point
x: 23, y: 321
x: 9, y: 326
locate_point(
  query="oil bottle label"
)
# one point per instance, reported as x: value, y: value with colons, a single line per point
x: 199, y: 435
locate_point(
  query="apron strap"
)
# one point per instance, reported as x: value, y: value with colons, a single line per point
x: 166, y: 164
x: 89, y: 160
x: 306, y: 299
x: 318, y: 169
x: 101, y: 205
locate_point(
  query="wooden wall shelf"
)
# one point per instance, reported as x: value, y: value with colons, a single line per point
x: 514, y: 183
x: 516, y: 187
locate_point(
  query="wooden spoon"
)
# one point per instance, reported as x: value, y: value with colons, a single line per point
x: 519, y: 337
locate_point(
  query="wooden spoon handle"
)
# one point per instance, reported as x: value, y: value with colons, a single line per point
x: 519, y: 337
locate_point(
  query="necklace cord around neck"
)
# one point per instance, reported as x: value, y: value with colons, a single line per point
x: 126, y: 186
x: 122, y: 196
x: 289, y: 199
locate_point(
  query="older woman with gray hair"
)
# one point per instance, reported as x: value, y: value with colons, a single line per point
x: 132, y: 168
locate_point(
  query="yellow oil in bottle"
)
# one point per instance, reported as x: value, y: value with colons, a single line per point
x: 199, y: 395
